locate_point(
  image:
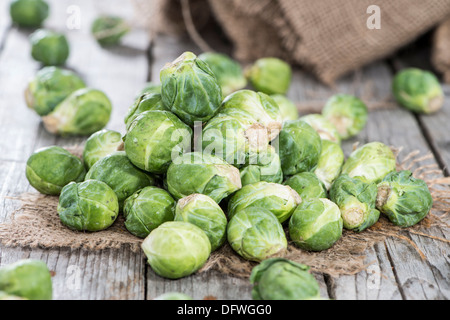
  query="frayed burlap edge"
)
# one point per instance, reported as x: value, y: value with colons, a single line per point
x: 36, y: 224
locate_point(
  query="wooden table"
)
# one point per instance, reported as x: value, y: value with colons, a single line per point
x: 396, y: 270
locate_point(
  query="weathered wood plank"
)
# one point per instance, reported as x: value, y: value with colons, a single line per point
x: 5, y: 21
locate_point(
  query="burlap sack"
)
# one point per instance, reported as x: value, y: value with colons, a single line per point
x: 441, y: 50
x: 328, y: 37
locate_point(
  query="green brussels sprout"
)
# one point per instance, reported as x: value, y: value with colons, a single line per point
x: 270, y: 75
x: 356, y: 200
x: 330, y: 163
x: 29, y: 13
x: 109, y: 30
x: 7, y: 297
x: 288, y: 109
x: 150, y: 87
x: 262, y: 166
x: 282, y: 279
x: 147, y: 209
x: 256, y: 234
x: 202, y: 173
x: 299, y: 147
x: 205, y: 213
x: 325, y: 129
x: 307, y: 185
x: 278, y: 199
x: 28, y: 279
x: 49, y: 87
x: 147, y: 102
x: 119, y: 174
x: 190, y: 89
x: 227, y: 71
x: 101, y: 144
x: 373, y: 162
x: 50, y: 169
x: 174, y: 296
x: 88, y: 206
x: 316, y: 225
x: 404, y: 199
x: 418, y: 90
x: 84, y: 112
x: 49, y: 47
x: 347, y: 113
x: 176, y: 249
x: 154, y: 139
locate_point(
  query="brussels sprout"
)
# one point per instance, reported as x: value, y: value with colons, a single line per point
x: 278, y: 199
x: 190, y: 89
x: 29, y: 13
x: 347, y: 113
x: 316, y: 225
x: 176, y: 249
x: 307, y: 185
x: 147, y: 209
x: 28, y: 279
x: 330, y: 163
x: 109, y: 30
x: 50, y: 87
x: 356, y: 200
x: 227, y: 71
x: 49, y: 47
x: 418, y: 90
x: 118, y: 172
x: 270, y: 75
x: 404, y: 199
x: 151, y: 87
x: 50, y: 169
x: 7, y: 297
x: 174, y: 296
x: 288, y: 109
x: 299, y: 147
x: 206, y: 214
x: 88, y: 206
x: 262, y: 166
x: 282, y: 279
x: 101, y: 144
x: 325, y: 129
x: 255, y: 234
x: 372, y: 161
x: 84, y: 112
x: 154, y: 139
x: 147, y: 102
x: 202, y: 173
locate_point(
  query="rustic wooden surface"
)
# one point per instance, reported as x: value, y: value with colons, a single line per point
x: 396, y: 270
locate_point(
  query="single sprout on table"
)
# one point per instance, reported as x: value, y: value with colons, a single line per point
x: 190, y: 89
x: 26, y: 279
x: 418, y: 90
x: 29, y: 13
x: 147, y: 102
x: 262, y: 166
x: 347, y: 113
x: 205, y: 213
x: 279, y: 199
x: 325, y: 129
x: 404, y: 199
x: 372, y: 161
x: 316, y: 225
x: 174, y: 296
x: 49, y: 47
x: 228, y: 72
x: 356, y: 200
x: 176, y: 249
x: 88, y: 206
x: 101, y: 144
x: 8, y: 297
x: 50, y: 169
x: 307, y: 185
x: 84, y: 112
x: 147, y: 209
x: 49, y: 87
x: 109, y: 30
x: 154, y: 139
x: 256, y: 234
x: 282, y: 279
x: 270, y: 75
x: 288, y: 109
x: 330, y: 163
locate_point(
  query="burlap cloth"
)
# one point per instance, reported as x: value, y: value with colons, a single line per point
x: 327, y: 37
x: 36, y: 224
x: 441, y: 50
